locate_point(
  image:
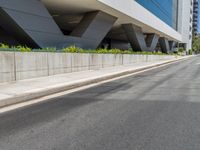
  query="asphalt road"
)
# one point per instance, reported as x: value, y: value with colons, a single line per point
x: 155, y: 110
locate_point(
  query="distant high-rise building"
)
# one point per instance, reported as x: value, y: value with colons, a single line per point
x: 195, y: 17
x: 145, y: 25
x: 185, y: 18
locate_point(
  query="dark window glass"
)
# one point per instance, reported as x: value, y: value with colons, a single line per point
x: 166, y: 10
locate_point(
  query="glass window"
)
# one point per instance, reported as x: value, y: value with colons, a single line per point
x: 166, y: 10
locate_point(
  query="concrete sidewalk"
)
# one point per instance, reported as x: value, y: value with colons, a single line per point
x: 24, y: 90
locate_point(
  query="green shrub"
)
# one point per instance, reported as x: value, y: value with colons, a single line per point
x: 108, y: 51
x: 101, y: 51
x: 72, y: 49
x: 127, y: 52
x: 181, y: 49
x: 115, y: 51
x: 47, y: 49
x: 159, y: 53
x: 4, y: 46
x: 112, y: 51
x: 190, y: 52
x: 23, y: 48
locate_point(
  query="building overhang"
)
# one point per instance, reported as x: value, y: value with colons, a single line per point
x: 126, y: 12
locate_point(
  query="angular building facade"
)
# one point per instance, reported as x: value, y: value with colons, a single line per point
x: 140, y: 24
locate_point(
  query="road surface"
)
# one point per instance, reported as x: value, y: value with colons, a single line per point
x: 154, y: 110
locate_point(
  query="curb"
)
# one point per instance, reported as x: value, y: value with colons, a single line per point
x: 34, y: 94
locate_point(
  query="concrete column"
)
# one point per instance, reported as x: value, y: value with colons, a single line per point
x: 152, y: 41
x: 94, y: 27
x: 30, y: 22
x: 13, y: 29
x: 137, y: 39
x: 164, y: 44
x: 171, y: 46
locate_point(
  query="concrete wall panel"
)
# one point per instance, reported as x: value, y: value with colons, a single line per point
x: 18, y: 66
x: 108, y: 60
x: 31, y: 65
x: 127, y: 59
x: 7, y: 67
x: 96, y: 61
x: 80, y: 62
x: 59, y: 63
x: 118, y: 61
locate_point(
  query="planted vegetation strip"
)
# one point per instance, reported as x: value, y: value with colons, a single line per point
x: 74, y: 49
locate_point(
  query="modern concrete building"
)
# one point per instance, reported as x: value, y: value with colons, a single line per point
x: 185, y: 25
x: 143, y: 25
x: 195, y: 17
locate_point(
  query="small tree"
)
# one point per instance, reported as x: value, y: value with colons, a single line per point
x: 196, y: 44
x: 181, y: 50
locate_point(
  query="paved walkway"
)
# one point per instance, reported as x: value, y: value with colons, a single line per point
x: 23, y: 90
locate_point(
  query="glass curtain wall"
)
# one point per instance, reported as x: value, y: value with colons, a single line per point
x: 166, y: 10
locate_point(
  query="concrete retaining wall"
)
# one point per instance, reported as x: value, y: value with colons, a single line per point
x: 7, y: 67
x: 18, y: 66
x: 31, y: 65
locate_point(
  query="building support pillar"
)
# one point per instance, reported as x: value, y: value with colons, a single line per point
x: 152, y: 41
x: 137, y: 38
x: 164, y: 44
x: 171, y: 46
x: 30, y: 22
x: 94, y: 27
